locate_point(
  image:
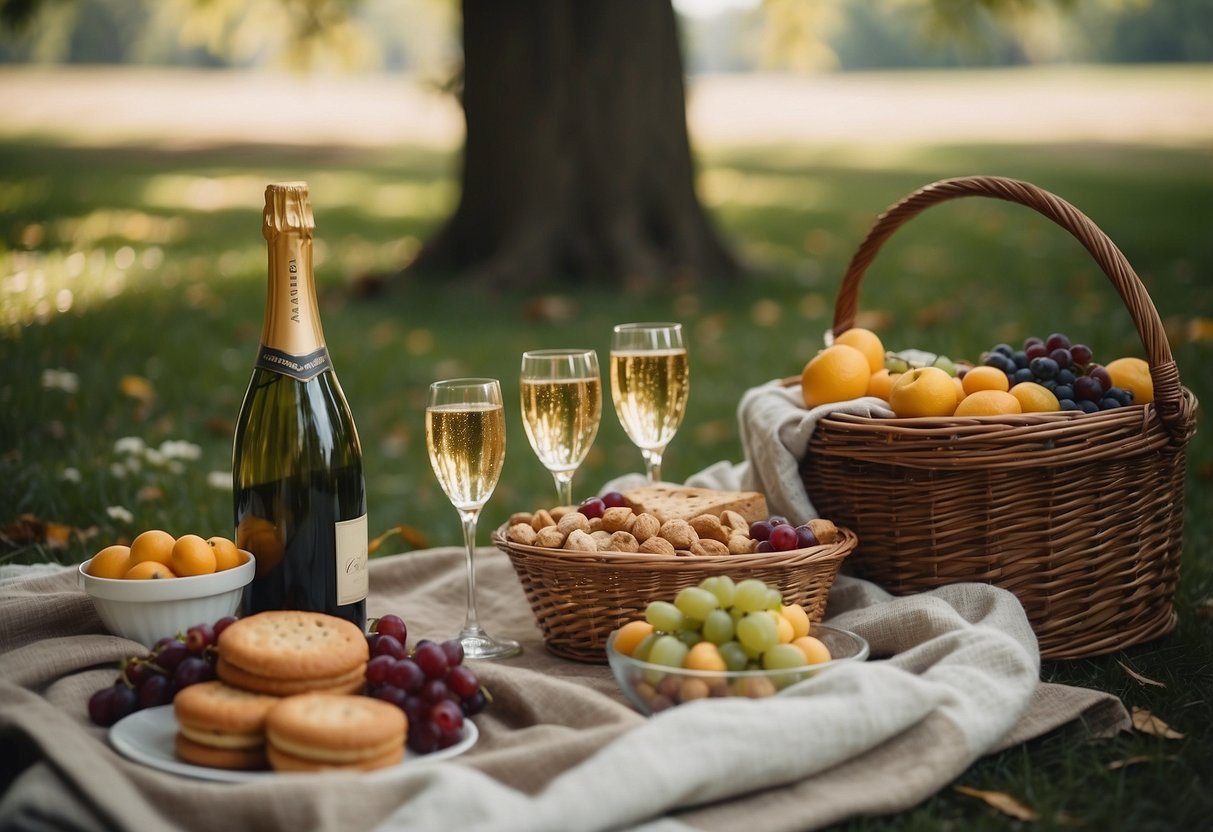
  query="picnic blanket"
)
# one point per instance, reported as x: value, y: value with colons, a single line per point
x: 954, y: 675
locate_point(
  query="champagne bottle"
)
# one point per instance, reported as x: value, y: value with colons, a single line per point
x: 300, y: 496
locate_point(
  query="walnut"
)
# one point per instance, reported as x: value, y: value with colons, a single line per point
x: 542, y: 520
x: 733, y: 520
x: 550, y: 537
x: 521, y: 517
x: 580, y: 541
x: 521, y: 533
x: 596, y: 524
x: 678, y: 532
x: 707, y: 546
x: 740, y: 544
x: 618, y: 519
x: 601, y: 536
x: 824, y: 530
x: 573, y: 520
x: 622, y: 542
x: 645, y: 526
x: 657, y: 546
x: 708, y: 526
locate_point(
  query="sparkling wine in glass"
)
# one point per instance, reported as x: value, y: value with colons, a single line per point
x: 650, y: 383
x: 465, y: 436
x: 561, y: 408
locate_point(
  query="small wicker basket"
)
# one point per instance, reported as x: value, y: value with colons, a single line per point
x: 579, y: 598
x: 1080, y: 515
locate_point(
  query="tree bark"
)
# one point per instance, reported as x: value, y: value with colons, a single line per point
x: 577, y: 165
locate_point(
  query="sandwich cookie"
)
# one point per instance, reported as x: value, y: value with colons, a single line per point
x: 285, y: 652
x: 221, y: 726
x: 323, y: 731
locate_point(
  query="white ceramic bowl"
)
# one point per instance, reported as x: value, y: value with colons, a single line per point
x: 654, y: 687
x: 147, y: 610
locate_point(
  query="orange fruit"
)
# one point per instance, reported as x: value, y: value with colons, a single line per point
x: 881, y: 383
x: 631, y: 634
x: 226, y: 553
x: 988, y: 403
x: 797, y: 617
x: 193, y: 556
x: 110, y: 562
x: 836, y: 374
x: 1133, y: 374
x: 985, y: 378
x: 1035, y: 398
x: 867, y: 342
x: 704, y: 656
x: 147, y: 570
x: 815, y: 651
x: 154, y: 545
x: 783, y: 627
x: 923, y: 391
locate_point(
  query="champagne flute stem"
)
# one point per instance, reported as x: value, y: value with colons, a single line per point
x: 564, y: 487
x: 652, y: 462
x: 471, y: 623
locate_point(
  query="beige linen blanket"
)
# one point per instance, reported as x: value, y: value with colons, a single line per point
x: 954, y: 675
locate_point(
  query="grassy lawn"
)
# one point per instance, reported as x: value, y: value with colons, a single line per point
x: 140, y: 273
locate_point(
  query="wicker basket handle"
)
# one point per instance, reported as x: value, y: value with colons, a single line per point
x: 1174, y: 409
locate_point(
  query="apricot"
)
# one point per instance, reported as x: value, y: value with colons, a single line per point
x: 148, y: 570
x: 227, y: 555
x: 110, y: 562
x: 193, y: 556
x: 154, y: 545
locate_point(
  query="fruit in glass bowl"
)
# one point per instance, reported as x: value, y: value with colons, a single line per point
x: 651, y: 687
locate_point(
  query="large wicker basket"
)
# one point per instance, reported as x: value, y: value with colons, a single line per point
x: 579, y: 598
x: 1080, y: 515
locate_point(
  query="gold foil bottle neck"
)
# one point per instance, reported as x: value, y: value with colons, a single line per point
x: 287, y: 208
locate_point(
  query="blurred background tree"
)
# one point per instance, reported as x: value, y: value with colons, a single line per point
x: 577, y: 165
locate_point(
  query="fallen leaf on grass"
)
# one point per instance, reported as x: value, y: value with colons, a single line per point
x: 1137, y: 676
x: 138, y: 388
x: 408, y: 534
x: 31, y: 530
x: 1139, y: 758
x: 1147, y: 723
x: 1003, y: 802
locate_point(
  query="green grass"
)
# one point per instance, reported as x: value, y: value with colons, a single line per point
x: 142, y: 262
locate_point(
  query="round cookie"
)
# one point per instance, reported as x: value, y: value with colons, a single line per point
x: 243, y: 759
x: 215, y: 708
x: 292, y: 645
x: 316, y: 731
x: 350, y: 682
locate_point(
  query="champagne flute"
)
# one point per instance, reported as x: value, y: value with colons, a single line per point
x: 650, y: 383
x: 561, y: 408
x: 465, y: 436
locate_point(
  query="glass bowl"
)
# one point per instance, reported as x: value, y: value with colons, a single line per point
x: 653, y: 687
x: 147, y: 610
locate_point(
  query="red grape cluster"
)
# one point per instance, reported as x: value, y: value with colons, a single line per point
x: 175, y: 662
x: 777, y: 534
x: 593, y: 507
x: 432, y: 685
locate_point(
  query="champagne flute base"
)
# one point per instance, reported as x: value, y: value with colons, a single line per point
x: 479, y: 645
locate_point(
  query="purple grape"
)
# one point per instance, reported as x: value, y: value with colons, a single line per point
x: 423, y: 737
x: 416, y: 709
x: 613, y: 499
x: 377, y: 669
x: 805, y: 538
x: 454, y: 652
x: 448, y: 738
x: 432, y: 659
x: 391, y: 693
x: 1101, y: 375
x: 778, y: 520
x: 1081, y: 354
x: 157, y: 689
x: 222, y: 624
x: 434, y: 691
x: 1063, y: 357
x: 192, y: 670
x: 783, y: 538
x: 1044, y: 368
x: 760, y: 530
x: 1088, y: 406
x: 475, y: 703
x: 108, y: 705
x: 462, y: 680
x: 198, y: 638
x: 593, y: 507
x: 387, y: 645
x: 447, y: 716
x: 1056, y: 340
x: 171, y: 655
x: 394, y: 626
x: 1087, y: 388
x: 1037, y: 350
x: 135, y: 670
x: 407, y: 675
x: 1032, y: 341
x: 1003, y: 349
x: 764, y: 547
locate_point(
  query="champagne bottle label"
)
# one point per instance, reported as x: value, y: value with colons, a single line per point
x: 352, y: 577
x: 301, y: 367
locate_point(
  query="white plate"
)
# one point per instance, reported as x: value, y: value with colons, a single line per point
x: 148, y: 737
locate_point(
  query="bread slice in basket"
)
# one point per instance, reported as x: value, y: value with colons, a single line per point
x: 680, y: 502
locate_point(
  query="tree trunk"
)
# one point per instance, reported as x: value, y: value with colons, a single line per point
x: 577, y: 166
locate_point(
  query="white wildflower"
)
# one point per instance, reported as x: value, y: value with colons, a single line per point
x: 220, y: 480
x: 153, y: 456
x: 175, y: 466
x: 64, y: 380
x: 118, y: 470
x: 70, y: 475
x: 180, y: 449
x: 129, y: 445
x: 121, y: 514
